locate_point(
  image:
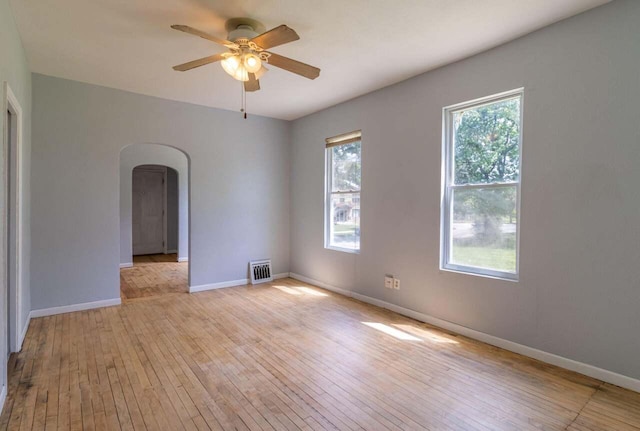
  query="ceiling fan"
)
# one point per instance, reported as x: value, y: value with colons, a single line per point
x: 247, y: 45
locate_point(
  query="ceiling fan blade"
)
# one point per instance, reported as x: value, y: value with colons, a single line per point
x: 276, y: 36
x: 260, y: 73
x: 197, y: 63
x: 293, y: 66
x: 202, y: 34
x: 252, y: 84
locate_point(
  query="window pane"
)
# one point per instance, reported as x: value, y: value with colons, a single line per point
x: 483, y: 228
x: 346, y: 167
x: 345, y: 221
x: 487, y: 143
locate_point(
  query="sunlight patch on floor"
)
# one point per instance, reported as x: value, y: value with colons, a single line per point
x: 288, y: 290
x: 309, y: 291
x: 400, y: 335
x: 426, y: 334
x: 299, y: 290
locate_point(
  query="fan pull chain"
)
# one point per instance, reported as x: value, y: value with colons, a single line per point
x: 243, y: 101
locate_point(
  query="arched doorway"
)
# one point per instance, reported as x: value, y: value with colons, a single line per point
x: 154, y: 221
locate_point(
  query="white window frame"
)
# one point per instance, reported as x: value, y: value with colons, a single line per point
x: 448, y: 186
x: 343, y: 139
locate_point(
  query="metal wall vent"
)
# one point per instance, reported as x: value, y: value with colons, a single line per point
x: 260, y: 271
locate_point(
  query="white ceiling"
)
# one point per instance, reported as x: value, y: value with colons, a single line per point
x: 360, y: 45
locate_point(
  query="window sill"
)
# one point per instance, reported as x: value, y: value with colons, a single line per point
x: 344, y: 250
x: 495, y: 275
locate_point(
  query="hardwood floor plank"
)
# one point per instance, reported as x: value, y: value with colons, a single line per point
x: 153, y: 275
x: 122, y: 410
x: 40, y: 414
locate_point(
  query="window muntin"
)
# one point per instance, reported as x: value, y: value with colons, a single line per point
x: 343, y: 181
x: 480, y: 212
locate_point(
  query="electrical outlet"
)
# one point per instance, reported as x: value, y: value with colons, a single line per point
x: 388, y: 281
x: 396, y: 283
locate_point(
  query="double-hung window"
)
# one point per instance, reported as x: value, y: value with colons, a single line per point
x: 481, y: 187
x: 342, y: 192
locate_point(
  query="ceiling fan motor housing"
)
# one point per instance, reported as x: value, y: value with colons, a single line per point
x: 243, y: 31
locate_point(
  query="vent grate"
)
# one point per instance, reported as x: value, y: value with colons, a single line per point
x: 260, y: 271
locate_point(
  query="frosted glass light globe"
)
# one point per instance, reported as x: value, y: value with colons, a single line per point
x: 252, y: 63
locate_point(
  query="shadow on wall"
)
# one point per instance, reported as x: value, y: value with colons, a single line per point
x: 153, y: 154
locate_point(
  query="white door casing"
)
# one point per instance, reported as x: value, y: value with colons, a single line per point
x: 12, y: 219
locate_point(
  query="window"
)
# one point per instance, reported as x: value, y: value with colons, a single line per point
x: 481, y: 187
x: 342, y: 200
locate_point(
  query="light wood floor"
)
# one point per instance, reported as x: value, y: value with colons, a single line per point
x: 152, y: 275
x: 286, y: 356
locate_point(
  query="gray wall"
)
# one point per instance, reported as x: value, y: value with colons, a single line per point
x: 172, y: 210
x: 152, y: 154
x: 15, y: 70
x: 579, y: 289
x: 239, y: 186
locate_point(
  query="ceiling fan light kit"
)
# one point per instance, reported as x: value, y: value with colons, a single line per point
x: 233, y: 66
x: 239, y: 63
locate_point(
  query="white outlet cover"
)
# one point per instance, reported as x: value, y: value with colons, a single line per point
x: 388, y: 282
x: 396, y: 283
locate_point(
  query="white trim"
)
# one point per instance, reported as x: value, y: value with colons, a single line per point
x: 549, y: 358
x: 11, y: 103
x: 3, y: 396
x: 126, y: 265
x: 75, y: 307
x: 328, y: 194
x: 220, y: 285
x: 24, y: 331
x: 343, y: 249
x: 171, y: 251
x: 320, y: 284
x: 232, y: 283
x: 448, y: 186
x: 183, y: 259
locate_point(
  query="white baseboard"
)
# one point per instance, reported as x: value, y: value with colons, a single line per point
x: 75, y: 307
x: 126, y: 265
x: 223, y: 284
x: 220, y: 285
x: 3, y: 397
x: 320, y: 284
x: 24, y: 332
x: 183, y: 259
x: 550, y: 358
x: 170, y: 251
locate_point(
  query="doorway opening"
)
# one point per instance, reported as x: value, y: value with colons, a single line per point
x: 154, y: 222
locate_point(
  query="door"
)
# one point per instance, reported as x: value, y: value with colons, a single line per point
x: 148, y: 211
